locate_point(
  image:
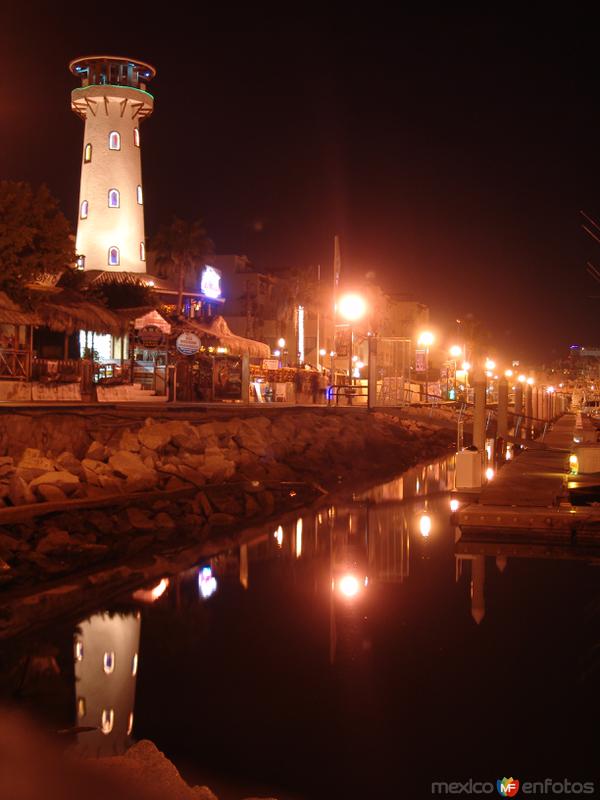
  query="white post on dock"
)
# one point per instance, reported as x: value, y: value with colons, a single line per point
x: 502, y: 428
x: 529, y: 410
x: 479, y: 386
x: 519, y: 407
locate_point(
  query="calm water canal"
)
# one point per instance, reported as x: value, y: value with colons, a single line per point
x: 348, y: 653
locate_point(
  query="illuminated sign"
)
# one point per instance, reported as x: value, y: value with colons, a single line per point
x: 210, y: 282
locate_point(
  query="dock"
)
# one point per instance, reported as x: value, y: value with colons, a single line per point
x: 528, y: 499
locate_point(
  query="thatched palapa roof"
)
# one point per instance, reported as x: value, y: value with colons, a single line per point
x: 11, y: 314
x: 69, y: 311
x: 221, y: 331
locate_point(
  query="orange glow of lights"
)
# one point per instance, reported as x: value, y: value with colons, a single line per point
x: 465, y: 366
x: 490, y: 364
x: 454, y: 504
x: 279, y: 536
x: 152, y: 595
x: 489, y: 473
x: 456, y: 351
x: 521, y: 378
x: 299, y: 538
x: 425, y: 525
x: 349, y: 586
x: 508, y: 373
x: 426, y: 339
x: 352, y: 307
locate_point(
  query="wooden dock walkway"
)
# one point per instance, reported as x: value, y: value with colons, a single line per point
x: 537, y: 477
x: 528, y: 498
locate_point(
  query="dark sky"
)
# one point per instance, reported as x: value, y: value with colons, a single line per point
x: 451, y: 154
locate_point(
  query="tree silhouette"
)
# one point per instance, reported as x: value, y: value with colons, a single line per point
x: 35, y: 237
x: 181, y: 249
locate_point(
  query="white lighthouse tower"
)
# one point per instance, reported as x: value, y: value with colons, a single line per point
x: 112, y: 100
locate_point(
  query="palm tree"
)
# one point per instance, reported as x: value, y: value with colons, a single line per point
x: 181, y: 249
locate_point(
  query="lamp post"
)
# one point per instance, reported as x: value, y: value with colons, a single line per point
x: 351, y: 307
x: 322, y: 354
x: 281, y: 345
x: 456, y: 352
x: 426, y: 339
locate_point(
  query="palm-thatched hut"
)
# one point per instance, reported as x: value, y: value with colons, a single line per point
x: 15, y: 339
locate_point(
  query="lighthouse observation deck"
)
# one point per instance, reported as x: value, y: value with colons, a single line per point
x: 112, y: 71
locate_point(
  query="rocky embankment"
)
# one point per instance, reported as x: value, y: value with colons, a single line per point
x: 165, y: 482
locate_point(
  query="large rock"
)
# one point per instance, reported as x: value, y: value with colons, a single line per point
x: 67, y: 461
x: 93, y: 470
x: 191, y: 475
x: 63, y: 480
x: 139, y: 520
x: 252, y: 441
x: 55, y: 540
x: 19, y: 492
x: 50, y: 493
x: 129, y: 441
x: 164, y: 521
x: 97, y: 451
x: 7, y: 466
x: 33, y: 464
x: 130, y: 466
x: 154, y: 437
x: 144, y: 773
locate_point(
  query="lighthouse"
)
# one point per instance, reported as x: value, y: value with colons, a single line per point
x: 112, y: 101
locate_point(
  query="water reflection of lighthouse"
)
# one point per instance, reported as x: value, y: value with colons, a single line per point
x: 106, y: 664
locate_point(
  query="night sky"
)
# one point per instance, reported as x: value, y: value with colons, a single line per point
x: 452, y: 155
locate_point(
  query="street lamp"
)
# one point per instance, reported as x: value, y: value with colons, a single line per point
x: 426, y: 339
x: 351, y: 307
x: 322, y: 354
x: 281, y: 345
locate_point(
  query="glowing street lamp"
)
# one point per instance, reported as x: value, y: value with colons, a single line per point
x: 351, y: 307
x: 426, y: 339
x: 282, y: 350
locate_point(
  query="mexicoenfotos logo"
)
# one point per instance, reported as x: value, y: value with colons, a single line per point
x: 507, y: 787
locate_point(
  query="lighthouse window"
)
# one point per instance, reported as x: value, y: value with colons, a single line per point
x: 142, y: 251
x: 84, y: 209
x: 108, y: 662
x: 140, y: 196
x: 113, y: 198
x: 114, y: 140
x: 114, y: 258
x: 136, y: 137
x: 108, y: 720
x: 87, y: 156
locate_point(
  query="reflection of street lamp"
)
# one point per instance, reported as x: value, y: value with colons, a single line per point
x: 426, y: 339
x: 351, y: 307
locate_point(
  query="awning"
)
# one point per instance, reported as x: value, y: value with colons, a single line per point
x: 237, y: 345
